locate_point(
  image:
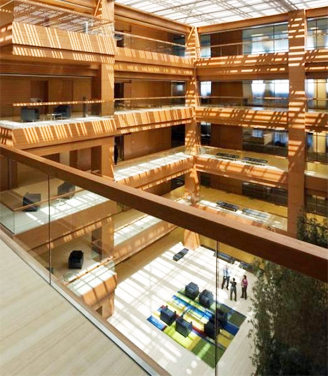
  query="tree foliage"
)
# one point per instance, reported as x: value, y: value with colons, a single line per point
x: 290, y: 330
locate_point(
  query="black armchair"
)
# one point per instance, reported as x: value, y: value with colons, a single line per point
x: 29, y: 199
x: 206, y: 298
x: 75, y: 260
x: 29, y: 114
x: 183, y: 327
x: 66, y: 188
x: 64, y: 110
x: 211, y: 329
x: 192, y: 290
x: 167, y: 315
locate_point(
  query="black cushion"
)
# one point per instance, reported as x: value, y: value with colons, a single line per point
x: 75, y: 260
x: 192, y: 290
x: 167, y: 315
x: 183, y: 327
x: 31, y: 198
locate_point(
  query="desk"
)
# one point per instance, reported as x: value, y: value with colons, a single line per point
x: 53, y: 116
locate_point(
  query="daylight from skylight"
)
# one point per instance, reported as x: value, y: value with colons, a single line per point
x: 210, y: 12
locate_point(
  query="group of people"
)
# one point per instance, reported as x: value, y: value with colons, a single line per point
x: 233, y: 283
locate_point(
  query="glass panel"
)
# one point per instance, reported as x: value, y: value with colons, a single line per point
x: 126, y: 104
x: 24, y: 204
x: 270, y: 142
x: 317, y: 94
x: 38, y: 110
x: 317, y: 33
x: 138, y: 42
x: 317, y: 148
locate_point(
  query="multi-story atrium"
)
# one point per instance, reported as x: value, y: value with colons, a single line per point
x: 163, y: 201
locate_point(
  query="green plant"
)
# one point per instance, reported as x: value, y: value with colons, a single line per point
x: 290, y: 329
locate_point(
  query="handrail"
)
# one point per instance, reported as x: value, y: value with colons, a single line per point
x: 36, y: 104
x: 232, y: 97
x: 292, y: 253
x: 242, y: 42
x: 150, y: 39
x: 147, y: 98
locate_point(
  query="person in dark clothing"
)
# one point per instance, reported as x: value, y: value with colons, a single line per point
x: 244, y: 284
x: 115, y: 154
x: 226, y: 277
x: 233, y: 289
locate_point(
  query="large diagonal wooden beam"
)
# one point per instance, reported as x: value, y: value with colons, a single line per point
x: 291, y: 253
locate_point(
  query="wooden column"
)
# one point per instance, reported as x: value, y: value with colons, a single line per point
x: 73, y: 158
x: 102, y: 240
x: 192, y: 50
x: 103, y: 84
x: 8, y: 174
x: 192, y: 136
x: 102, y: 158
x: 296, y: 117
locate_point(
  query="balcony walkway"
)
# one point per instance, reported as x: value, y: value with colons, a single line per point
x: 42, y: 334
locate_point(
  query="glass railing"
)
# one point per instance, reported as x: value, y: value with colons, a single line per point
x: 137, y: 42
x: 263, y: 45
x: 246, y: 102
x: 144, y: 164
x: 317, y: 40
x: 38, y: 111
x: 318, y: 104
x: 317, y: 148
x: 245, y: 157
x: 190, y: 299
x: 39, y: 14
x: 127, y: 104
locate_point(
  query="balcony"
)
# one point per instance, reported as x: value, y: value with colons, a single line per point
x: 243, y: 165
x: 34, y: 30
x: 159, y: 167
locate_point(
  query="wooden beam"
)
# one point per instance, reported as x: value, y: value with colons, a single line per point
x: 134, y: 16
x: 283, y: 17
x: 291, y: 253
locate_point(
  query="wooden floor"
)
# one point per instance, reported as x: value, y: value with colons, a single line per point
x: 42, y: 334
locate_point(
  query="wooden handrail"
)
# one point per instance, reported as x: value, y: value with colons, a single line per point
x: 147, y: 98
x: 38, y: 104
x: 303, y: 257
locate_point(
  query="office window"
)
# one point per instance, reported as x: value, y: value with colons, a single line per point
x: 280, y: 138
x: 317, y: 93
x: 317, y: 33
x: 266, y: 39
x: 205, y: 43
x: 269, y: 93
x: 257, y: 133
x: 205, y: 88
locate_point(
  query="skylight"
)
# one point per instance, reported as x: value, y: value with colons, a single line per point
x: 210, y: 12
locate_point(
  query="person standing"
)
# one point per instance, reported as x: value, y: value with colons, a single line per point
x: 233, y: 289
x: 244, y: 284
x: 226, y: 277
x: 115, y: 154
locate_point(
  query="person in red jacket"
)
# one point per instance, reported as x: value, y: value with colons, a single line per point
x: 244, y: 284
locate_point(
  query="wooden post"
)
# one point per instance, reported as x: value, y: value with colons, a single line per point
x: 102, y: 158
x: 296, y: 117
